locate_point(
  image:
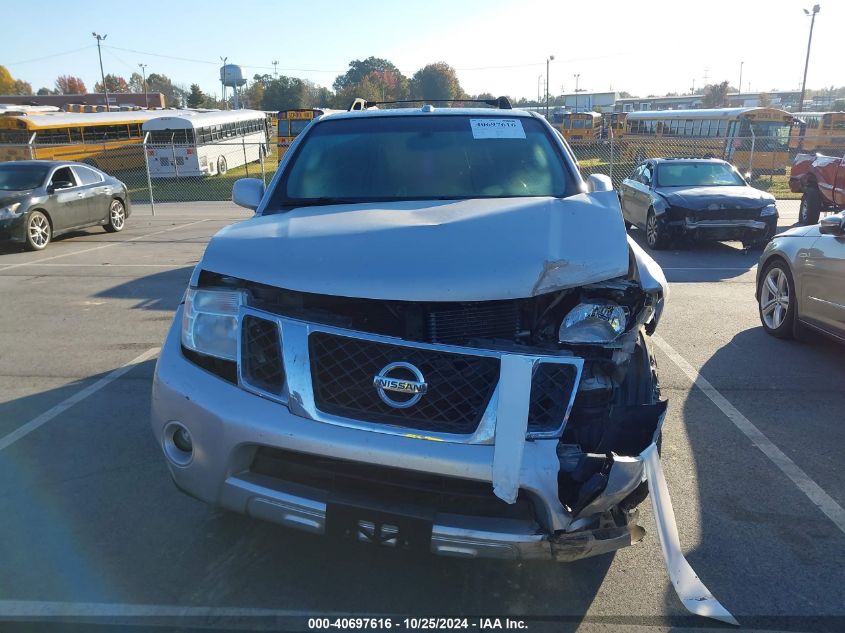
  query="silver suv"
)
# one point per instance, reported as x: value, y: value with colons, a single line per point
x: 433, y: 334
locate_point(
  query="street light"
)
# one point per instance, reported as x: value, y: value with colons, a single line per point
x: 100, y: 38
x: 539, y: 83
x: 816, y: 9
x: 548, y: 59
x: 577, y: 77
x: 143, y: 68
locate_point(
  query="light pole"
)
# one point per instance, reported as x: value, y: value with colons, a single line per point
x: 143, y: 68
x: 548, y: 59
x: 100, y: 38
x: 539, y: 82
x: 577, y: 77
x: 223, y: 85
x: 739, y: 89
x: 816, y: 9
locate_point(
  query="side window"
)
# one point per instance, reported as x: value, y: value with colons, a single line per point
x: 636, y: 174
x: 63, y: 178
x: 646, y: 175
x: 87, y: 176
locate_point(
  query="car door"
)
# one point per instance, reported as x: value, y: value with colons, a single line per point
x: 68, y: 206
x: 628, y: 194
x: 96, y: 193
x: 823, y: 275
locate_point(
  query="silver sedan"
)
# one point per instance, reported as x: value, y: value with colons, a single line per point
x: 801, y: 280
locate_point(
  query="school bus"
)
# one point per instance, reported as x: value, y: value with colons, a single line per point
x: 822, y: 132
x: 614, y: 124
x: 581, y: 127
x: 753, y: 139
x: 292, y: 122
x: 108, y: 140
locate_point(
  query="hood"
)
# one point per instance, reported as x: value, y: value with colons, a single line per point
x: 467, y: 250
x: 801, y: 231
x: 10, y: 197
x: 715, y: 198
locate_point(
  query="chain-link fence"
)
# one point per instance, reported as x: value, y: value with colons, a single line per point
x: 183, y: 173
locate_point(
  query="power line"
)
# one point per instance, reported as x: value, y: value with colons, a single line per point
x: 38, y: 59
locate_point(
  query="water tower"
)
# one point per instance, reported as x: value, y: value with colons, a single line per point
x: 232, y: 75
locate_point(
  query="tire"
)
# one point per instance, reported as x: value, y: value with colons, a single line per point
x: 117, y: 216
x: 811, y: 207
x: 777, y: 300
x: 222, y: 167
x: 39, y: 232
x: 655, y: 234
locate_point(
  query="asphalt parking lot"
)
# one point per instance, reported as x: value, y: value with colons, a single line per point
x: 92, y: 530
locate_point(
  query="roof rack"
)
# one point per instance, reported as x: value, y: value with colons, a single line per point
x: 503, y: 103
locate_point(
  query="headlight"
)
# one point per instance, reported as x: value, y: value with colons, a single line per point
x: 210, y: 322
x: 9, y: 211
x: 768, y: 210
x: 592, y: 323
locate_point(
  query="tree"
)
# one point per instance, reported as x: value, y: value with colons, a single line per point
x: 716, y: 95
x: 839, y: 105
x: 435, y: 82
x: 284, y: 93
x: 114, y: 84
x: 358, y: 69
x: 625, y: 95
x: 174, y: 97
x: 69, y: 85
x: 765, y: 100
x: 196, y: 98
x: 136, y: 82
x: 44, y: 91
x: 11, y: 86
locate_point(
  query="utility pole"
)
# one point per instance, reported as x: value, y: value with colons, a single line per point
x: 100, y: 38
x: 577, y: 76
x: 223, y: 85
x: 739, y: 88
x: 816, y: 9
x: 143, y: 68
x: 548, y: 59
x: 276, y: 69
x: 539, y: 83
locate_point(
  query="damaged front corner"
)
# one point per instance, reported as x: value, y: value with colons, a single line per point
x: 693, y: 593
x: 511, y: 424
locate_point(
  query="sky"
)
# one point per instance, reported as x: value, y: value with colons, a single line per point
x: 496, y: 46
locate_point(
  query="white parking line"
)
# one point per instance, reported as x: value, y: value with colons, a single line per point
x: 102, y: 246
x: 79, y: 396
x: 802, y: 480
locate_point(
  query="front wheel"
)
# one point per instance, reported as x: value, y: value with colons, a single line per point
x: 811, y: 207
x: 777, y: 300
x: 655, y: 234
x: 38, y: 231
x: 117, y: 217
x: 222, y: 167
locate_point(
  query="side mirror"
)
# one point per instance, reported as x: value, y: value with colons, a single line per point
x: 599, y: 182
x: 832, y: 225
x: 247, y: 192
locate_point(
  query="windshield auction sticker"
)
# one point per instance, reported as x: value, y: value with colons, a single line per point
x: 496, y: 128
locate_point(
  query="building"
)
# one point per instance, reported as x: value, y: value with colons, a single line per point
x: 139, y: 99
x: 784, y: 99
x: 588, y: 101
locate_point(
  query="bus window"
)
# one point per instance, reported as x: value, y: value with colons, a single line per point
x: 297, y: 125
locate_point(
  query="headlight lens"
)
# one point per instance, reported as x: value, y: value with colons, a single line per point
x: 591, y: 323
x: 210, y: 322
x: 768, y: 210
x: 9, y: 211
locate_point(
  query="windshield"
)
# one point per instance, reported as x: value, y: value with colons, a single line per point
x: 20, y: 177
x: 297, y: 125
x: 697, y: 175
x: 423, y: 158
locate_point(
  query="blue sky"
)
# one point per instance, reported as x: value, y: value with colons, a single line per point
x: 497, y: 46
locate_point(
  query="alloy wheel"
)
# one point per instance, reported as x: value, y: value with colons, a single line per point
x: 651, y: 230
x: 39, y: 230
x: 117, y: 214
x: 774, y: 298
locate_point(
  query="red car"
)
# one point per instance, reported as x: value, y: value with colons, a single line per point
x: 822, y: 181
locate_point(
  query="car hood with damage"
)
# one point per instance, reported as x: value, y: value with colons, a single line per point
x: 466, y: 250
x: 715, y: 198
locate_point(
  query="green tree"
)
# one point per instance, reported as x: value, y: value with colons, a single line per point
x: 284, y: 93
x: 360, y: 68
x: 716, y: 95
x: 11, y: 86
x: 70, y: 85
x: 174, y: 97
x: 44, y: 91
x: 436, y: 81
x: 114, y: 84
x: 136, y: 82
x: 196, y: 97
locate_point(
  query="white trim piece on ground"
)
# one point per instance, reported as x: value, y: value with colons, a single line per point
x: 79, y: 396
x: 102, y: 246
x: 802, y: 480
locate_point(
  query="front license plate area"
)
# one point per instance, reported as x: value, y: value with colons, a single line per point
x: 385, y: 529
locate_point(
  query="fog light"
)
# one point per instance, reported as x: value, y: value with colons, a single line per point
x: 182, y: 440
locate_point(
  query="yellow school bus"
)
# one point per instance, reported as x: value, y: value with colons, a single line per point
x: 108, y: 140
x: 753, y: 139
x: 292, y: 122
x: 581, y: 127
x: 822, y: 132
x: 614, y: 124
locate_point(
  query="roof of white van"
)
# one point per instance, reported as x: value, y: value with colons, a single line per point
x: 184, y: 120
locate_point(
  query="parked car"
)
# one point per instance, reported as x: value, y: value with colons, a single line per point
x: 41, y: 199
x: 821, y: 181
x: 432, y: 335
x: 801, y: 280
x: 702, y: 199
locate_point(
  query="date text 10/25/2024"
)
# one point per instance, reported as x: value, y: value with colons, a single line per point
x: 414, y: 624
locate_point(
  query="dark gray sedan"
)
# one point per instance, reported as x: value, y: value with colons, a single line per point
x: 40, y: 199
x: 698, y: 198
x: 801, y: 280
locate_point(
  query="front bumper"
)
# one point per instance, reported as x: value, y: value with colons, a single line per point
x: 13, y: 229
x: 760, y: 229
